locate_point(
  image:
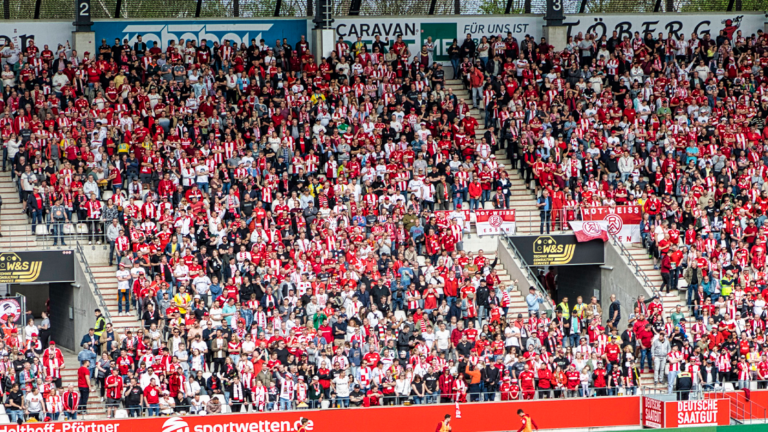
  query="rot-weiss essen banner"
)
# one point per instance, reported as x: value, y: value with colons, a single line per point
x: 576, y: 413
x: 493, y: 222
x: 620, y: 221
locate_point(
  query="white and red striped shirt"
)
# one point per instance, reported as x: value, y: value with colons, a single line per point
x: 674, y: 359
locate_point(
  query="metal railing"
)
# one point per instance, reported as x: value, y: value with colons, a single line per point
x: 87, y: 230
x: 92, y: 281
x: 696, y: 393
x: 530, y: 275
x: 64, y: 234
x: 744, y: 410
x: 227, y: 406
x: 530, y: 222
x: 634, y: 265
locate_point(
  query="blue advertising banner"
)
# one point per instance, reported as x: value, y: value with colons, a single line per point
x: 164, y: 31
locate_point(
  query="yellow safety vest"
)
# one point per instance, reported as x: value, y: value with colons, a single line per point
x: 100, y: 322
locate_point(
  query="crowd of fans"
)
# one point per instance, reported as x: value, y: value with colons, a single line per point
x: 289, y: 234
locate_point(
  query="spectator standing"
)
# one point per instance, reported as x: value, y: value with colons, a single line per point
x: 84, y: 385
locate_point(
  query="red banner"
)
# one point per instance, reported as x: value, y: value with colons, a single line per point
x: 494, y: 222
x: 621, y: 221
x: 490, y: 416
x: 698, y: 413
x: 587, y: 231
x: 653, y: 413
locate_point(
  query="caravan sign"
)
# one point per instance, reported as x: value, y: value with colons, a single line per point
x: 416, y: 31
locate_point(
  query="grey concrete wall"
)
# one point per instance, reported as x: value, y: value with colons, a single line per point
x: 36, y: 296
x: 514, y: 270
x: 84, y: 303
x: 617, y: 278
x: 582, y: 280
x: 62, y: 327
x: 77, y: 300
x: 512, y: 267
x: 96, y: 254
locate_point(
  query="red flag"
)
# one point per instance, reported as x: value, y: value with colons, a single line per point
x: 589, y: 231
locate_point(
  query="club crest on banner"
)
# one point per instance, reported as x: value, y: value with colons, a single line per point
x: 495, y: 221
x: 591, y: 228
x: 615, y: 223
x: 621, y: 222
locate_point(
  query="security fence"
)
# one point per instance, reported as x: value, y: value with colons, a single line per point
x: 65, y: 9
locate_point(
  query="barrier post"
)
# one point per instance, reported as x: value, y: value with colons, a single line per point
x: 323, y: 41
x: 83, y: 38
x: 555, y: 32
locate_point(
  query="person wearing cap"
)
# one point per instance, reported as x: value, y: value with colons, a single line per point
x: 631, y: 378
x: 53, y: 362
x: 707, y: 375
x: 534, y: 300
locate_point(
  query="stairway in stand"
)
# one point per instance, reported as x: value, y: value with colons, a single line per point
x: 670, y: 301
x: 96, y: 409
x: 14, y: 224
x: 17, y: 235
x: 517, y: 301
x: 107, y: 282
x: 522, y: 199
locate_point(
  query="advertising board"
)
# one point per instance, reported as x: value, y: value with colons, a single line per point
x: 37, y: 267
x: 677, y: 24
x: 51, y: 33
x: 416, y: 30
x: 573, y: 413
x: 697, y: 413
x: 213, y: 30
x: 653, y: 413
x: 544, y: 250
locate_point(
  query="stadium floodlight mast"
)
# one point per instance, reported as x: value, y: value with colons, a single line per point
x: 323, y: 18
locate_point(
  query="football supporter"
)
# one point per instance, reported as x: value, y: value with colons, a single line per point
x: 292, y: 235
